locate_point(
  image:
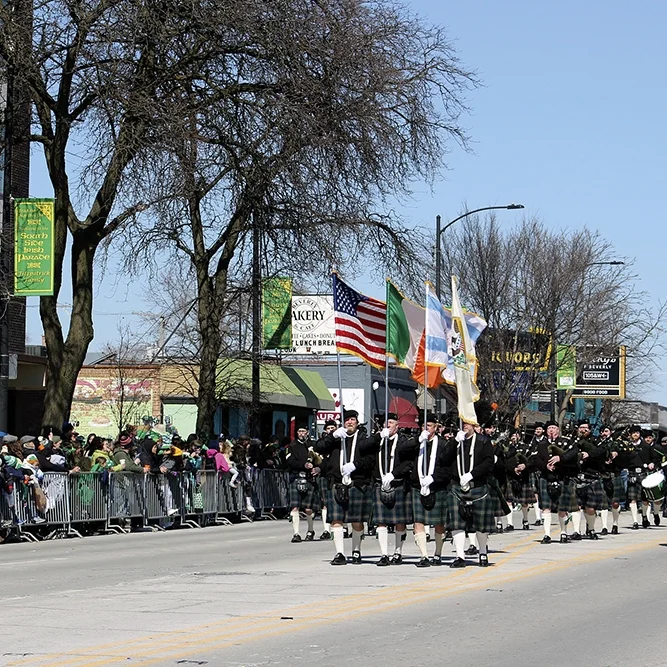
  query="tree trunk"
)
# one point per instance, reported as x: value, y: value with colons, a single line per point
x: 210, y: 315
x: 65, y: 358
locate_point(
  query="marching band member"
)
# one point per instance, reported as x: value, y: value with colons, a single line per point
x: 470, y: 506
x: 429, y: 479
x: 329, y: 427
x: 304, y: 492
x: 348, y: 479
x: 392, y: 498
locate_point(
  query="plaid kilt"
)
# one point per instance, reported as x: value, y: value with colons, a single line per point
x: 435, y: 517
x: 523, y: 492
x: 357, y: 510
x: 310, y: 500
x: 401, y: 512
x: 635, y: 491
x: 484, y: 510
x: 566, y: 500
x: 592, y: 496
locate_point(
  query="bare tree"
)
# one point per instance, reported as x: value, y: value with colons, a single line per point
x: 296, y: 150
x: 100, y: 76
x: 538, y: 288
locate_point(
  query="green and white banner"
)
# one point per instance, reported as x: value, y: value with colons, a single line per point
x: 33, y: 247
x: 277, y: 314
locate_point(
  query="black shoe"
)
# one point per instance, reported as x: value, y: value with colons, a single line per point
x: 605, y: 531
x: 448, y: 535
x: 372, y: 532
x: 347, y: 535
x: 383, y: 562
x: 645, y: 522
x: 326, y: 535
x: 499, y: 527
x: 356, y: 558
x: 526, y: 525
x: 424, y: 562
x: 656, y: 519
x: 635, y: 526
x: 296, y: 538
x: 339, y: 559
x: 436, y: 561
x: 564, y: 539
x: 576, y: 537
x: 396, y: 559
x: 592, y: 535
x: 483, y: 560
x: 614, y: 530
x: 458, y: 562
x: 428, y: 537
x: 471, y: 550
x: 310, y: 536
x: 538, y: 522
x: 509, y: 529
x: 545, y: 540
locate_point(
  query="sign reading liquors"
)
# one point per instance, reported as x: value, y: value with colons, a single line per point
x: 313, y: 324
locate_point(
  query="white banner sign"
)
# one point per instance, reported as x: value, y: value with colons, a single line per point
x: 313, y: 324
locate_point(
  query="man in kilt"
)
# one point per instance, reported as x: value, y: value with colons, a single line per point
x: 392, y: 500
x: 304, y: 492
x: 471, y: 502
x: 429, y: 480
x: 558, y: 460
x: 349, y: 494
x: 635, y: 455
x: 612, y: 483
x: 329, y: 427
x: 521, y: 465
x: 539, y: 437
x: 590, y: 491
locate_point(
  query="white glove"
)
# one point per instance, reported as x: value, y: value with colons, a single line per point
x: 466, y: 478
x: 460, y: 436
x: 387, y: 480
x: 423, y: 436
x: 384, y: 433
x: 427, y: 481
x: 348, y: 469
x: 340, y: 433
x: 425, y: 491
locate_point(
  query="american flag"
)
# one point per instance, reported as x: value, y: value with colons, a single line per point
x: 360, y: 323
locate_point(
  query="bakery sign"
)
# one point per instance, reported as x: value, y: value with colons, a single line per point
x: 313, y: 324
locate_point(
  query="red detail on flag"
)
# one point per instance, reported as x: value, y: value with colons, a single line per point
x: 421, y: 373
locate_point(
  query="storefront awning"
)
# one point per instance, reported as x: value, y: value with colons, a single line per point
x: 278, y: 385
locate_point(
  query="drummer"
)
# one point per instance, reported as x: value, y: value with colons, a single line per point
x: 659, y: 457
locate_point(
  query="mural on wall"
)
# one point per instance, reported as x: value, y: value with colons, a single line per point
x: 104, y: 405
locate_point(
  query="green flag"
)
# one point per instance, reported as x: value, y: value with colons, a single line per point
x: 33, y: 247
x: 277, y: 313
x: 405, y: 324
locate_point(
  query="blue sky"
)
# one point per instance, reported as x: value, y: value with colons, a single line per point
x: 570, y: 122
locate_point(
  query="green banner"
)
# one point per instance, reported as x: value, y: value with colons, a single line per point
x: 33, y: 247
x: 566, y: 369
x: 277, y: 313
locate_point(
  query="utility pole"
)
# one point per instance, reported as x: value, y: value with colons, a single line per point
x: 7, y: 100
x: 255, y: 408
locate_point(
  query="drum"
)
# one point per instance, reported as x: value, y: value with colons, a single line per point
x: 654, y: 486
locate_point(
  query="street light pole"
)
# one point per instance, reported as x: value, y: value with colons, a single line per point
x: 439, y: 231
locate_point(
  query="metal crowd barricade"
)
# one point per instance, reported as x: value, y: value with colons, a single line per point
x: 273, y: 491
x: 88, y: 497
x: 162, y: 494
x: 126, y: 499
x: 57, y: 489
x: 199, y: 497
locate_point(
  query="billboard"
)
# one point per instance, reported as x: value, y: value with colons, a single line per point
x: 313, y: 324
x: 517, y: 351
x: 602, y: 375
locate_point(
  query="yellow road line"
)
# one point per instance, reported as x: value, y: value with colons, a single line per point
x: 355, y: 611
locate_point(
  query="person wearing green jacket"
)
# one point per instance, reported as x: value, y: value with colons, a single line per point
x: 122, y: 456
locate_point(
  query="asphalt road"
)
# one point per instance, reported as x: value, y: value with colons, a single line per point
x: 243, y: 595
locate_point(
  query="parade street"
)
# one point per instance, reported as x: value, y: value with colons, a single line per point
x: 243, y: 595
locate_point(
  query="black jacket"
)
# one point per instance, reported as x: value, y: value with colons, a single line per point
x: 483, y: 460
x: 403, y: 458
x: 441, y: 472
x: 330, y: 448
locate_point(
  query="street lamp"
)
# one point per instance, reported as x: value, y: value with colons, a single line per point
x: 439, y: 231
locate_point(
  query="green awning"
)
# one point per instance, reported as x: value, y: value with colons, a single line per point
x: 279, y: 385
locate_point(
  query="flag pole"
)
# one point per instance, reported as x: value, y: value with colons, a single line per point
x: 340, y: 379
x: 425, y: 349
x: 386, y: 358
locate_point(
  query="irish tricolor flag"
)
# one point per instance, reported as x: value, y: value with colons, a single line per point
x: 405, y: 325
